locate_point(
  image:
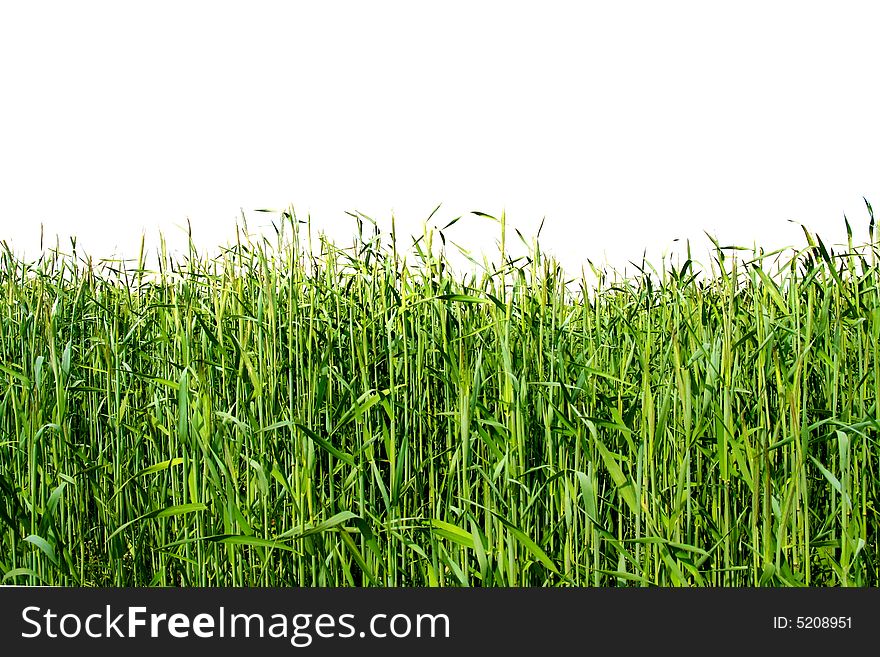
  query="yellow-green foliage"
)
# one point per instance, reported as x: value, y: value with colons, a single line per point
x: 281, y: 415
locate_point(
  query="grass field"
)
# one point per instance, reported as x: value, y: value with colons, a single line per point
x: 277, y: 414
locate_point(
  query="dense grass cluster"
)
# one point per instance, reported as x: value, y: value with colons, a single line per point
x: 287, y: 415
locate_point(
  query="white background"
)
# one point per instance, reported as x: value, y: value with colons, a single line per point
x: 626, y: 124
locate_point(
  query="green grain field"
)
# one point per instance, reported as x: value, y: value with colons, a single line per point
x: 293, y: 412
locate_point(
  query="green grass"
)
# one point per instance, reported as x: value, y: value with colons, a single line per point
x: 285, y: 415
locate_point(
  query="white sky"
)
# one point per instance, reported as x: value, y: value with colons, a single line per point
x: 626, y: 124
